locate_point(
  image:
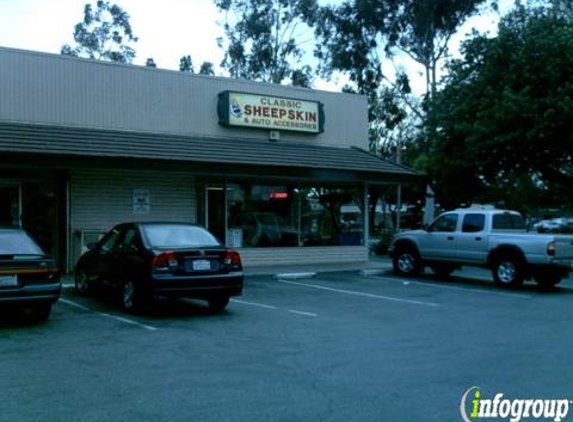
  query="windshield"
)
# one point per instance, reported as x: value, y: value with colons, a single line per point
x: 16, y: 242
x: 178, y: 236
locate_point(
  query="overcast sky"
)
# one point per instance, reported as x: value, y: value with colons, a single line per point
x: 167, y: 29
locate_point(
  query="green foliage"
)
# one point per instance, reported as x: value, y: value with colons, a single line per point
x: 357, y: 36
x: 505, y: 117
x: 263, y: 39
x: 207, y: 68
x: 104, y: 34
x: 186, y: 64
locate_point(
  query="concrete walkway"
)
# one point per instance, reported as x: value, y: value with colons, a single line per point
x: 375, y: 265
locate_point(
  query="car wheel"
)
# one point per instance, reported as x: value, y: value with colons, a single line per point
x: 406, y: 261
x: 218, y: 303
x: 82, y: 284
x: 442, y: 270
x: 508, y: 271
x: 548, y: 279
x: 40, y: 312
x: 131, y: 297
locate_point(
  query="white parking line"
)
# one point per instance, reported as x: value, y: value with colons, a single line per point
x: 117, y: 318
x: 310, y: 314
x: 260, y: 305
x: 363, y: 294
x: 465, y: 289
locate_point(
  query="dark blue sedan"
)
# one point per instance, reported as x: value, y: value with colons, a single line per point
x: 146, y: 261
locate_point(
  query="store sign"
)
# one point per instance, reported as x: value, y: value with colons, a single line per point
x: 269, y: 112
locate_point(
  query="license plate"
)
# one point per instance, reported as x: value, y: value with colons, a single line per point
x: 201, y: 265
x: 8, y: 280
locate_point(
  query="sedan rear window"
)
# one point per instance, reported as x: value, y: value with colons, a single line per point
x: 178, y: 236
x: 18, y: 243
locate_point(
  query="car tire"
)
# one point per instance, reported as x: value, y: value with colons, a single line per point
x: 508, y: 271
x: 40, y: 312
x: 442, y: 270
x: 218, y: 303
x: 131, y: 299
x: 406, y: 261
x: 82, y: 285
x: 547, y: 279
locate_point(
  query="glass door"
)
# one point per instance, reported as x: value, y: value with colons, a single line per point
x: 10, y: 204
x: 215, y: 213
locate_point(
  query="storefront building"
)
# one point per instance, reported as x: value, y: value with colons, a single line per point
x: 280, y: 173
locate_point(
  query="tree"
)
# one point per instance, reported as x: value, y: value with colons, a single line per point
x: 264, y: 38
x: 505, y: 116
x: 186, y: 64
x: 358, y: 37
x: 104, y: 34
x: 207, y: 68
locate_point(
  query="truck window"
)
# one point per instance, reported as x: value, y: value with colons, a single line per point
x: 473, y: 223
x: 508, y: 222
x: 445, y: 223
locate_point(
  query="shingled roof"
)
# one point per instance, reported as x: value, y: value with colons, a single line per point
x: 81, y: 142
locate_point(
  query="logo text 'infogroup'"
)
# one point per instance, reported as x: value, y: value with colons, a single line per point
x: 473, y: 406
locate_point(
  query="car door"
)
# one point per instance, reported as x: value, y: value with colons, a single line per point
x: 102, y: 260
x: 130, y: 256
x: 471, y: 241
x: 439, y: 241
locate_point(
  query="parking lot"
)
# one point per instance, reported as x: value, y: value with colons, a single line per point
x: 338, y: 347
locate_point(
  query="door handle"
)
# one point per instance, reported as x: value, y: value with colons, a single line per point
x: 450, y: 237
x: 478, y: 238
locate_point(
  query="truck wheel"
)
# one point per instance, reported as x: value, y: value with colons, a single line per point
x: 406, y: 261
x: 442, y: 270
x: 548, y: 278
x: 508, y: 271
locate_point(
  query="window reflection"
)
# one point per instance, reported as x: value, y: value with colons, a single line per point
x: 261, y: 215
x: 331, y: 216
x: 289, y: 215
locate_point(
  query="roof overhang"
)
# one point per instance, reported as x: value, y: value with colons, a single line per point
x: 65, y: 147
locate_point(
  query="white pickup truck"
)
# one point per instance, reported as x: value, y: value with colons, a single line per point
x: 495, y: 239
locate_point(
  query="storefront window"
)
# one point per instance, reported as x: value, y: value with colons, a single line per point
x: 262, y: 215
x: 288, y: 215
x: 331, y: 216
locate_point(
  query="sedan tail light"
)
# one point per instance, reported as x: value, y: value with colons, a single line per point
x: 232, y: 258
x: 165, y: 259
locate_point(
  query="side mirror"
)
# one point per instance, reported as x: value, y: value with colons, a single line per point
x: 427, y: 228
x: 91, y: 246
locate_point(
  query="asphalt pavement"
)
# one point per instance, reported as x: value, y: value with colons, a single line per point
x: 335, y: 347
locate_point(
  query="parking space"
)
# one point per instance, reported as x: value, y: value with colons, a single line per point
x: 336, y: 347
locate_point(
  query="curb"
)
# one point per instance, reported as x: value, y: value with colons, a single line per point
x: 366, y: 273
x: 294, y: 276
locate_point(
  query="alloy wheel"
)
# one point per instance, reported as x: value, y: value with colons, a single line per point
x: 506, y: 272
x: 128, y: 295
x: 406, y: 263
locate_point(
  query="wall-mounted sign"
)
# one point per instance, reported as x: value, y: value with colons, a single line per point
x: 269, y: 112
x: 141, y: 201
